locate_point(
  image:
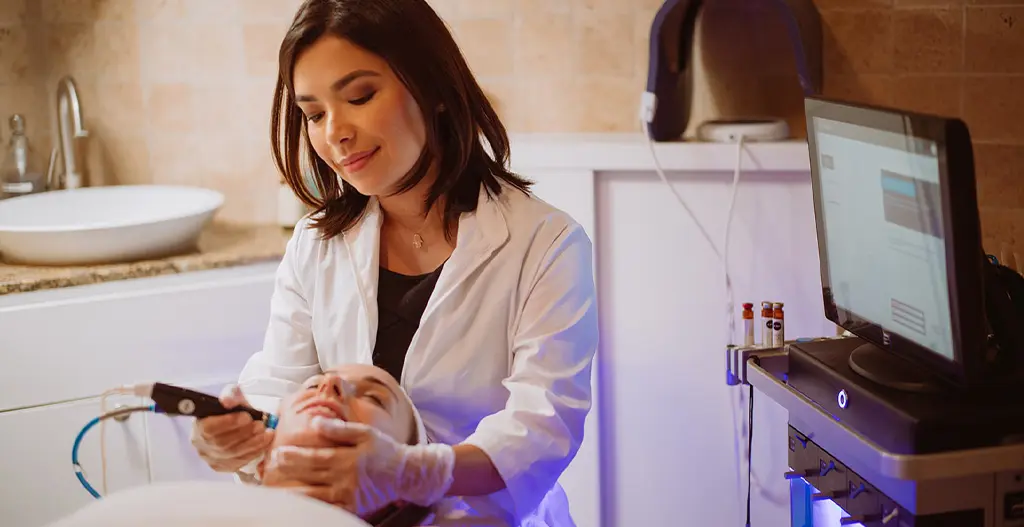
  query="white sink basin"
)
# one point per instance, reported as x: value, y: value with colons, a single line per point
x: 98, y: 225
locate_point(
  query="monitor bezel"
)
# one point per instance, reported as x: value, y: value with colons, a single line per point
x: 961, y: 226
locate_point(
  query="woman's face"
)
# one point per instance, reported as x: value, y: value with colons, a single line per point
x: 360, y: 118
x: 356, y: 393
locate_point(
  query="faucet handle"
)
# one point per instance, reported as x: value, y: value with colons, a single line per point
x: 51, y: 171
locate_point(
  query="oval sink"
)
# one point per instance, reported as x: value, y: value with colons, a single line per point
x: 101, y: 225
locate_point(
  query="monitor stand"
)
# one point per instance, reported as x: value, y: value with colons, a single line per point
x: 891, y: 371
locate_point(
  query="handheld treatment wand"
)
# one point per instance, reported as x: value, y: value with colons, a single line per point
x: 168, y: 400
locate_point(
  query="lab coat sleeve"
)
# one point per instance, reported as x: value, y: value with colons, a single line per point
x: 288, y: 356
x: 535, y: 437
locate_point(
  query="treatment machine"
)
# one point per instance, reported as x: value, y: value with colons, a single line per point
x: 914, y: 417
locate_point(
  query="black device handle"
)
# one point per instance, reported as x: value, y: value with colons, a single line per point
x: 174, y: 400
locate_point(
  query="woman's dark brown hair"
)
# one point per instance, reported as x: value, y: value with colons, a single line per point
x: 417, y: 45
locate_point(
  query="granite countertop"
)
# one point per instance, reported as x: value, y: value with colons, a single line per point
x: 219, y: 246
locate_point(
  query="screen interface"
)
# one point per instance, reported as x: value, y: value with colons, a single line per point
x: 882, y: 209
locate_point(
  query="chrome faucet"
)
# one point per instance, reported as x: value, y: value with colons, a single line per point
x: 70, y: 129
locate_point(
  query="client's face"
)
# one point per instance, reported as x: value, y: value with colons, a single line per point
x: 357, y: 393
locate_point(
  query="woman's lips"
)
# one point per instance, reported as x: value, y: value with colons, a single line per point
x: 356, y: 162
x: 325, y: 408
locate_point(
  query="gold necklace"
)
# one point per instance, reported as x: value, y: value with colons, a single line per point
x: 417, y: 240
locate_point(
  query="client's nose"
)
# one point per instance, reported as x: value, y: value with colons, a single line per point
x: 336, y: 386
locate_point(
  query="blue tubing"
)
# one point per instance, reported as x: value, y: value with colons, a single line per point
x: 79, y: 471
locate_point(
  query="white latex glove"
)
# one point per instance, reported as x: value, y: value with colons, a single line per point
x: 368, y: 472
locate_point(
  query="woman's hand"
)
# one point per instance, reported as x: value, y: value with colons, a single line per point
x: 367, y: 471
x: 229, y: 442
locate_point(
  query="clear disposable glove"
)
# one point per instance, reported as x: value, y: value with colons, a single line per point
x: 367, y: 472
x: 227, y: 443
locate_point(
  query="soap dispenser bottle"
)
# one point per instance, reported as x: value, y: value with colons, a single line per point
x: 18, y: 173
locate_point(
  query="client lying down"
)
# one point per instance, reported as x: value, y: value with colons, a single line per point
x: 355, y: 393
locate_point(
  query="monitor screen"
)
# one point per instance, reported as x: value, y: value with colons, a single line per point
x: 881, y: 207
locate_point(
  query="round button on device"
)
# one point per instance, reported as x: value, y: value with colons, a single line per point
x: 843, y: 399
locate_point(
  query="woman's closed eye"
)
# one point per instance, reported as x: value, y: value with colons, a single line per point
x: 362, y: 100
x: 376, y: 399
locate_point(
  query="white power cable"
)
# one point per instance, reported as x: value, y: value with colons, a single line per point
x: 647, y: 107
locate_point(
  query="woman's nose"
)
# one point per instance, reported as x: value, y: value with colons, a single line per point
x: 338, y: 129
x: 336, y: 386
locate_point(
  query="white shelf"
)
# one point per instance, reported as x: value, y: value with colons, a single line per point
x: 631, y: 152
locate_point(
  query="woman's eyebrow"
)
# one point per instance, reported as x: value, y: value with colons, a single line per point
x: 340, y: 83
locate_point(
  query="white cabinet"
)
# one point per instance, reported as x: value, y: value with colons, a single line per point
x: 39, y: 481
x: 172, y: 457
x: 572, y: 191
x: 194, y: 329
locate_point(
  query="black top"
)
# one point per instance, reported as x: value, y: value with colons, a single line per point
x: 400, y: 303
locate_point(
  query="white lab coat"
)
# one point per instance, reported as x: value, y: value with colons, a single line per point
x: 502, y: 358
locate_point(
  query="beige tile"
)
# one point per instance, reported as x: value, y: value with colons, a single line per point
x: 486, y: 44
x: 220, y: 109
x: 620, y: 7
x: 860, y: 88
x: 928, y: 40
x: 187, y: 52
x: 543, y: 105
x: 604, y: 105
x: 13, y: 12
x: 259, y: 100
x: 994, y: 108
x: 545, y: 44
x: 69, y: 50
x: 118, y: 158
x: 648, y: 5
x: 995, y: 39
x: 205, y: 11
x: 114, y: 54
x: 930, y: 3
x: 928, y: 94
x: 501, y: 92
x: 1002, y: 230
x: 113, y: 107
x: 61, y: 11
x: 16, y: 65
x: 999, y: 171
x: 642, y: 22
x: 996, y: 2
x: 844, y: 4
x: 174, y: 159
x: 168, y: 107
x: 606, y: 45
x: 448, y: 10
x: 261, y: 43
x: 540, y: 7
x: 279, y: 12
x: 486, y: 8
x: 99, y: 50
x: 857, y: 41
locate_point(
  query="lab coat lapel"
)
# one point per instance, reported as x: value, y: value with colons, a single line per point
x: 363, y: 243
x: 481, y: 233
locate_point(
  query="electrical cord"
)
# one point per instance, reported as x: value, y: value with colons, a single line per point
x: 168, y: 400
x: 647, y: 107
x: 750, y: 449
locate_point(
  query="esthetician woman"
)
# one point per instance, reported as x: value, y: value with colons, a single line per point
x: 426, y: 257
